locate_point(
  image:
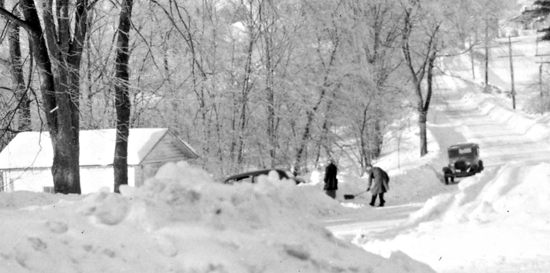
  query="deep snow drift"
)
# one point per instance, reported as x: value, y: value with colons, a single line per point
x: 182, y: 221
x: 495, y: 222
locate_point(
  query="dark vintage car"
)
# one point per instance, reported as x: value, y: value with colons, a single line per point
x: 252, y: 176
x: 463, y: 161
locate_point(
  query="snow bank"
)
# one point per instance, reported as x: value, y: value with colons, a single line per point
x: 182, y: 221
x: 523, y: 124
x: 406, y: 186
x: 463, y: 231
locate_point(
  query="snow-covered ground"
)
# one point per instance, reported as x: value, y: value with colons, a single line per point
x: 182, y: 221
x: 496, y: 221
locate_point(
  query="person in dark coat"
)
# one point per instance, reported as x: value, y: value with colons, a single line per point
x: 331, y: 182
x: 378, y: 184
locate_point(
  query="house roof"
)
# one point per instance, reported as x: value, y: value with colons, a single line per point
x: 97, y: 148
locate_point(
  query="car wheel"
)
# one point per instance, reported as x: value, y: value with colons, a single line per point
x: 480, y: 166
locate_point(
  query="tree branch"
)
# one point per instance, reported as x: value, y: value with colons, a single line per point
x: 16, y: 20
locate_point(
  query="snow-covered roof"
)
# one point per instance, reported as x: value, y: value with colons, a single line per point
x: 97, y: 148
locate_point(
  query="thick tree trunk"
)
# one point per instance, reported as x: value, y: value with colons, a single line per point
x: 59, y: 66
x: 62, y: 140
x: 66, y: 166
x: 65, y: 136
x: 122, y: 97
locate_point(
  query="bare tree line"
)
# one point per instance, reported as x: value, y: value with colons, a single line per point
x: 249, y: 83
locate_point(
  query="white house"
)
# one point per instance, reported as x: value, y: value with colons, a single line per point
x: 25, y: 164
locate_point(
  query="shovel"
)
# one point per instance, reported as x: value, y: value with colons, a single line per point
x: 351, y: 196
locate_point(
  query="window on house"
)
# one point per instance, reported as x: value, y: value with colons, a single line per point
x: 49, y: 189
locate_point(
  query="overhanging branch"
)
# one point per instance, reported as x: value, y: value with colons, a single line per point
x: 16, y: 20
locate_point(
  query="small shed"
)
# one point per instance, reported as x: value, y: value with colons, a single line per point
x: 25, y: 164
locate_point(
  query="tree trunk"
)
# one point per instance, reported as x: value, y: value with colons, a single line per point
x: 377, y: 135
x: 245, y: 92
x: 59, y: 68
x: 18, y: 79
x: 363, y: 140
x: 311, y: 113
x: 422, y: 117
x: 270, y: 93
x: 423, y: 107
x: 417, y: 75
x: 267, y: 30
x: 122, y: 97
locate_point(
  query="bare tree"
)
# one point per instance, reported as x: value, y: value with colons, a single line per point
x: 57, y: 46
x: 329, y: 38
x: 18, y: 78
x: 374, y: 30
x: 420, y: 63
x: 122, y: 97
x: 21, y: 112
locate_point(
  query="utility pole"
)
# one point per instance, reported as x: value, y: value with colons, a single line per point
x: 541, y: 63
x: 487, y: 47
x: 540, y: 80
x: 512, y: 72
x: 510, y: 56
x: 486, y: 52
x: 540, y: 71
x: 472, y: 59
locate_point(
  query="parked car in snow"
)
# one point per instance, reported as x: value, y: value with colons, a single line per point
x: 463, y: 161
x: 252, y: 176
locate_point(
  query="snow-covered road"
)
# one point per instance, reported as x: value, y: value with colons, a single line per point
x: 459, y: 116
x: 501, y: 214
x: 374, y: 220
x: 504, y: 135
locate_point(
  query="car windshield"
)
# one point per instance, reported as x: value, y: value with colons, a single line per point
x: 460, y: 152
